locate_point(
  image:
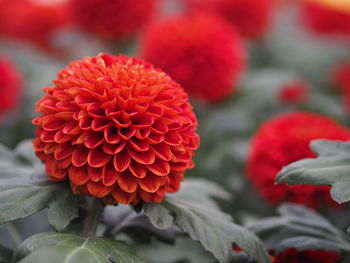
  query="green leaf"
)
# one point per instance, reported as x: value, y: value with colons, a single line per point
x: 302, y: 243
x: 123, y: 219
x: 22, y: 197
x: 299, y: 225
x: 12, y: 166
x: 5, y: 254
x: 25, y: 189
x: 72, y: 248
x: 194, y: 212
x: 25, y: 150
x: 332, y: 167
x: 185, y: 250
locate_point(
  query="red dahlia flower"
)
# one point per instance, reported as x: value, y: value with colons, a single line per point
x: 199, y: 51
x: 283, y: 140
x: 117, y: 128
x: 250, y: 17
x: 327, y: 16
x: 308, y: 256
x: 32, y: 20
x: 10, y: 85
x: 112, y: 19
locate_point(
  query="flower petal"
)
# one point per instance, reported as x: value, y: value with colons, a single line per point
x: 139, y: 145
x: 151, y: 182
x: 113, y: 148
x: 52, y: 124
x: 123, y: 197
x: 98, y: 158
x: 94, y: 139
x: 72, y: 128
x: 127, y: 182
x: 111, y: 134
x: 95, y: 174
x: 78, y: 175
x: 173, y: 138
x: 63, y: 151
x: 109, y: 174
x: 146, y: 157
x: 159, y: 167
x: 163, y: 151
x: 98, y: 189
x: 79, y: 156
x: 122, y: 161
x: 138, y: 170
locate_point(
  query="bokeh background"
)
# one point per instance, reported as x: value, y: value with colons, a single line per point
x: 243, y: 62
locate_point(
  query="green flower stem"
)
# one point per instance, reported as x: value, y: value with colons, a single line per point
x: 93, y: 217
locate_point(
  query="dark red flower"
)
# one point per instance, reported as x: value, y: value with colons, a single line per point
x: 10, y: 85
x: 31, y: 20
x: 327, y: 17
x: 199, y: 51
x: 112, y: 19
x: 341, y: 79
x: 307, y: 256
x: 283, y: 140
x: 250, y: 17
x: 117, y: 128
x: 293, y: 92
x: 341, y: 76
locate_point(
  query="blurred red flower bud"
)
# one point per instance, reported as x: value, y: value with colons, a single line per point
x: 293, y: 92
x: 283, y: 140
x: 200, y: 51
x: 307, y: 256
x: 32, y: 20
x: 10, y: 85
x: 115, y: 19
x: 250, y: 17
x: 327, y: 17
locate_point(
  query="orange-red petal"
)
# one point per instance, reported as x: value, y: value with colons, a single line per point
x: 78, y: 175
x: 98, y: 158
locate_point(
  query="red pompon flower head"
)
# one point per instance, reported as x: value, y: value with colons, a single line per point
x: 283, y: 140
x: 34, y: 21
x: 117, y: 128
x: 10, y: 85
x: 307, y: 256
x: 294, y: 92
x: 112, y: 20
x: 200, y: 51
x: 250, y: 17
x: 327, y: 17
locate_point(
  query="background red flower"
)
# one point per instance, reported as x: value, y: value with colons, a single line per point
x: 307, y: 256
x: 283, y: 140
x: 31, y: 21
x: 250, y: 17
x: 325, y: 19
x: 117, y: 128
x: 113, y: 19
x: 10, y: 85
x: 199, y: 51
x: 341, y: 80
x: 294, y: 92
x: 341, y: 76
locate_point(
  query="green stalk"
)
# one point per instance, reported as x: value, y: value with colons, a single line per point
x: 93, y: 218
